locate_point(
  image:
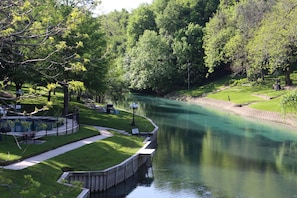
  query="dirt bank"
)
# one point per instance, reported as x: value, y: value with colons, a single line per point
x: 242, y: 110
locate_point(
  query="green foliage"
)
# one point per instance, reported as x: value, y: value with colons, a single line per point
x: 53, y: 42
x: 217, y: 34
x: 228, y: 33
x: 141, y: 20
x: 77, y: 87
x: 149, y: 65
x: 173, y: 18
x: 114, y: 25
x: 252, y: 38
x: 274, y: 44
x: 29, y: 186
x: 289, y: 102
x: 187, y: 49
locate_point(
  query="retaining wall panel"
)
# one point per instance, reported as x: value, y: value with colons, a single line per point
x: 103, y: 180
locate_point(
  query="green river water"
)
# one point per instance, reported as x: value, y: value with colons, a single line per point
x: 207, y: 153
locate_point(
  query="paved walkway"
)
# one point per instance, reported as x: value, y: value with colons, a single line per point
x: 58, y: 151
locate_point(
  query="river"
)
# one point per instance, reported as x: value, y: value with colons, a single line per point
x: 207, y: 153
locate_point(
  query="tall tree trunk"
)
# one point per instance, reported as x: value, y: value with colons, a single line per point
x: 78, y: 96
x: 288, y: 77
x: 262, y: 75
x: 49, y: 95
x: 18, y: 87
x: 66, y: 98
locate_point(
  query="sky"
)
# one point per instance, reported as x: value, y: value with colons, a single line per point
x: 111, y: 5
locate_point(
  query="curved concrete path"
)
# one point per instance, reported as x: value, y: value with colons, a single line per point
x: 104, y: 133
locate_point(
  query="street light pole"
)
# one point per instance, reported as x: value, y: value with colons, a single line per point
x: 189, y: 75
x: 134, y: 107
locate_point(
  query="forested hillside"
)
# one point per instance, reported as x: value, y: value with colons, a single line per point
x: 174, y: 44
x: 160, y: 46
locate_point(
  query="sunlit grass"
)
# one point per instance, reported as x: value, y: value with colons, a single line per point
x: 96, y: 156
x: 269, y: 105
x: 259, y: 95
x: 237, y: 95
x: 11, y: 152
x: 101, y: 154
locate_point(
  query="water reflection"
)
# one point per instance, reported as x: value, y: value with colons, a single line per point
x: 241, y: 167
x: 203, y: 152
x: 143, y: 178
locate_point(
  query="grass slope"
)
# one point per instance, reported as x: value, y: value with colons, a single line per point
x: 96, y: 156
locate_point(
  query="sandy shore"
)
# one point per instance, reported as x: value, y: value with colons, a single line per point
x: 243, y: 110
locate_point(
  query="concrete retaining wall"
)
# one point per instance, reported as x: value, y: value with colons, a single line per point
x: 96, y: 181
x: 102, y: 180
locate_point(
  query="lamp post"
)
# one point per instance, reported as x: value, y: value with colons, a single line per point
x: 189, y: 75
x: 133, y: 106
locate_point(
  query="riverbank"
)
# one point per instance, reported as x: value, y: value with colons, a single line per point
x: 242, y: 110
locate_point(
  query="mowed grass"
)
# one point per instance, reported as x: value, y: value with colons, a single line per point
x: 237, y: 95
x: 259, y: 95
x: 10, y: 152
x: 268, y: 105
x: 96, y: 156
x: 101, y: 154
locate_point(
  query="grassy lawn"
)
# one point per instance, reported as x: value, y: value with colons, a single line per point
x: 105, y: 153
x: 120, y: 121
x: 205, y: 89
x: 237, y: 95
x: 270, y: 105
x: 258, y: 95
x: 10, y: 151
x: 96, y: 156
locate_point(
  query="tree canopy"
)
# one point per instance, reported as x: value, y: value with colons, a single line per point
x: 252, y: 38
x: 184, y: 43
x: 51, y: 42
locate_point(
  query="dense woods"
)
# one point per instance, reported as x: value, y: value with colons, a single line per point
x: 156, y: 48
x: 172, y: 44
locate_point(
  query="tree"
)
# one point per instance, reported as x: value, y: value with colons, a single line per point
x: 187, y: 47
x: 274, y: 44
x: 172, y: 18
x: 149, y: 64
x: 174, y: 15
x: 140, y: 20
x: 94, y: 54
x: 228, y: 33
x: 218, y: 32
x: 115, y: 25
x: 288, y: 103
x: 25, y: 26
x: 248, y: 17
x: 76, y: 87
